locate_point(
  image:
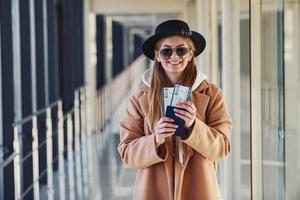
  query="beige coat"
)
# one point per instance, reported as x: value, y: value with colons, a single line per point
x: 160, y: 175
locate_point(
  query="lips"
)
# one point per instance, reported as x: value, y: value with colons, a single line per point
x: 174, y: 63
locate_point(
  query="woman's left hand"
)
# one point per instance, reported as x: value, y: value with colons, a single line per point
x: 188, y: 115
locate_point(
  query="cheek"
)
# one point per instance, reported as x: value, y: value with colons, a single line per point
x: 191, y: 57
x: 157, y: 56
x: 163, y: 63
x: 185, y: 64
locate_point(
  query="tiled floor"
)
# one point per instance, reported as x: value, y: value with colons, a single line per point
x: 113, y: 180
x: 116, y: 179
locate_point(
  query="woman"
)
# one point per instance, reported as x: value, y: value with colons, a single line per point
x: 170, y: 167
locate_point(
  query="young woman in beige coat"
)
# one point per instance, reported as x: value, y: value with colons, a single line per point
x: 171, y: 167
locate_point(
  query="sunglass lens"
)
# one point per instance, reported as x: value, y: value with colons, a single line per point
x: 166, y: 53
x: 181, y: 51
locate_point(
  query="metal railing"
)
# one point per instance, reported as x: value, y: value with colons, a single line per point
x: 73, y: 175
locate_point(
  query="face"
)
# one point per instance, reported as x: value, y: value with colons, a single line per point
x: 174, y: 55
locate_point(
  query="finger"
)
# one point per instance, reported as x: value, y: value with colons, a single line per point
x: 166, y: 130
x: 184, y: 117
x: 185, y: 113
x: 165, y: 127
x: 190, y: 109
x: 165, y: 119
x: 187, y: 104
x: 168, y: 125
x: 186, y: 107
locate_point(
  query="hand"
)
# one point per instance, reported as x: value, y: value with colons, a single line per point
x: 188, y: 115
x: 164, y: 128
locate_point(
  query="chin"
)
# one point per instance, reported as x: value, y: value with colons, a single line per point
x: 176, y: 69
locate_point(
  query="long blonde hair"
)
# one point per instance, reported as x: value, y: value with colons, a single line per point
x: 160, y: 79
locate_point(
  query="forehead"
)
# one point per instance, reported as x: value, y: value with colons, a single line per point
x: 174, y: 41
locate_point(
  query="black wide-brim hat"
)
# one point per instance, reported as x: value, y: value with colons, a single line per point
x: 170, y: 28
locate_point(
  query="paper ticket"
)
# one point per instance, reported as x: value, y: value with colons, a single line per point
x: 181, y: 93
x: 167, y: 94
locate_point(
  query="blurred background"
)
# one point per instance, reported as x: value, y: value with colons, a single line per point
x: 68, y: 67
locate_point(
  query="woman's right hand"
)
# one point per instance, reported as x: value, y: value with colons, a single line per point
x: 164, y: 128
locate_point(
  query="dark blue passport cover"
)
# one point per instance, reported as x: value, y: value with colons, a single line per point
x: 180, y: 122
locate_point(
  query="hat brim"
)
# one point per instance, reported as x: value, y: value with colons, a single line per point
x: 149, y: 44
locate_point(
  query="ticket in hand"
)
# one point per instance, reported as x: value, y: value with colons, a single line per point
x: 171, y: 96
x: 167, y: 93
x: 181, y: 93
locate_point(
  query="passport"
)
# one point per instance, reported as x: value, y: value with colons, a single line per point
x: 178, y: 121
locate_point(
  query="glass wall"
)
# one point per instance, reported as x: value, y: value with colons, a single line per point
x: 292, y: 97
x: 234, y: 64
x: 265, y: 153
x: 272, y: 100
x: 245, y: 140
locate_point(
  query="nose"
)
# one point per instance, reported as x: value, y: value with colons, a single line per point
x: 174, y: 54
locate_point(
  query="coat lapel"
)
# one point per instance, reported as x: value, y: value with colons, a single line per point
x: 201, y: 102
x: 143, y: 100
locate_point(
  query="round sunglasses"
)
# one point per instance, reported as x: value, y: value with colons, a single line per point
x: 168, y: 52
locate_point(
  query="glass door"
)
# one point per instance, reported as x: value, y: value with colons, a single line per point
x: 272, y: 100
x: 292, y: 97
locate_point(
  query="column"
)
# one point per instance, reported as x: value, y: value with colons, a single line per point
x: 230, y: 82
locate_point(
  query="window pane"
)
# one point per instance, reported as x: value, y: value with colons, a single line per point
x: 245, y: 105
x: 292, y: 98
x: 272, y: 100
x: 235, y: 171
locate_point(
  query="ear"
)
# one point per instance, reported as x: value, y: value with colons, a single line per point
x: 157, y: 56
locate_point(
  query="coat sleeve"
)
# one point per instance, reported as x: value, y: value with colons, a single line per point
x: 137, y: 149
x: 211, y: 139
